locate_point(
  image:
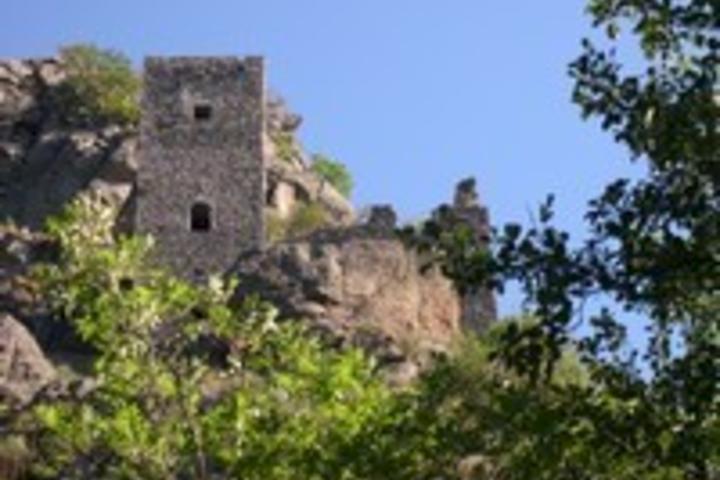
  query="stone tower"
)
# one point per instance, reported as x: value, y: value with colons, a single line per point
x: 201, y: 181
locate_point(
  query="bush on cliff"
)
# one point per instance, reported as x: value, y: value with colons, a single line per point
x: 334, y: 172
x: 100, y: 88
x: 303, y: 220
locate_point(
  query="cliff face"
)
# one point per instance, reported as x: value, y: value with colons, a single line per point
x: 43, y: 163
x: 358, y: 286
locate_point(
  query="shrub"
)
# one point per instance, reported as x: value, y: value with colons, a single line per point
x: 101, y: 86
x: 306, y: 218
x: 284, y: 146
x: 334, y: 172
x: 275, y: 227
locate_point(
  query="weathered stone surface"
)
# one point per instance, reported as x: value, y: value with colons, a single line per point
x: 478, y: 306
x: 361, y: 286
x: 51, y: 73
x: 20, y: 250
x: 307, y: 187
x: 24, y: 370
x: 382, y: 217
x: 282, y: 198
x: 61, y: 164
x: 201, y: 151
x: 279, y: 116
x: 14, y: 70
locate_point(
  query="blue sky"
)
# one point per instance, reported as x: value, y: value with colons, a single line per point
x: 411, y: 95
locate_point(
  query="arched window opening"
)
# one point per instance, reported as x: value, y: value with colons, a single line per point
x: 201, y: 217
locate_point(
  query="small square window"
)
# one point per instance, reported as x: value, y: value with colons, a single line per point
x: 200, y: 217
x: 202, y: 112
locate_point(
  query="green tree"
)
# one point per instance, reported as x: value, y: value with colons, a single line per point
x: 653, y: 251
x: 334, y: 172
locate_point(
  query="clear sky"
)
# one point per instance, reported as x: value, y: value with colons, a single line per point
x: 411, y: 95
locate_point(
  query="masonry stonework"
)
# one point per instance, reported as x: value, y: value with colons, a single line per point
x: 201, y: 179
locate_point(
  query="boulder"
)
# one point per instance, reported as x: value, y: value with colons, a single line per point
x: 24, y: 370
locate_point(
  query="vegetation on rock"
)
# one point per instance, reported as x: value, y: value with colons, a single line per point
x: 185, y: 386
x: 100, y: 88
x: 285, y: 148
x: 334, y: 172
x: 304, y: 219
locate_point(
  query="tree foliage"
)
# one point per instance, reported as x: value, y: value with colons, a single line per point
x: 186, y: 387
x: 183, y: 386
x: 654, y: 251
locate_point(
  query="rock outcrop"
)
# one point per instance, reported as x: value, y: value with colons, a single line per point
x: 24, y: 370
x: 359, y: 286
x: 478, y: 306
x: 290, y: 178
x: 20, y: 249
x: 45, y: 162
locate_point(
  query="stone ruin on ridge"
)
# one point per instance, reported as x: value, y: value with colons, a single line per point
x: 201, y: 183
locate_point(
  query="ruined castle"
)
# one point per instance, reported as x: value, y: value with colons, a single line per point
x: 203, y: 174
x: 201, y: 186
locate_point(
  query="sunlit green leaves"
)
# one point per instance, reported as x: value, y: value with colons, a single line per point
x: 101, y: 86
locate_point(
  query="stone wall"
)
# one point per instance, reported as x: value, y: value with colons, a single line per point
x: 201, y: 142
